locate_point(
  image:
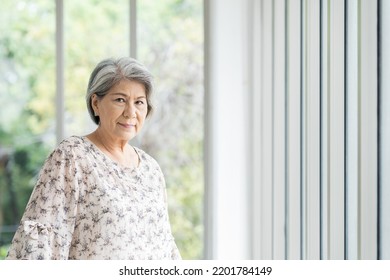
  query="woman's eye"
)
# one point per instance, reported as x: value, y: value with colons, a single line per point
x: 139, y: 102
x: 121, y: 100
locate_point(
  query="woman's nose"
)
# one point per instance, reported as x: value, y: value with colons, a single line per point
x: 130, y: 111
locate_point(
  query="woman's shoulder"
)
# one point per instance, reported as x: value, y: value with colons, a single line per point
x: 70, y: 146
x: 151, y: 167
x: 72, y: 141
x: 145, y: 157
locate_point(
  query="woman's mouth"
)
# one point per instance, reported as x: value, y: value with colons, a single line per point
x: 127, y: 125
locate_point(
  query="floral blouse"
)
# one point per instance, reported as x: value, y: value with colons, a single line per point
x: 87, y: 206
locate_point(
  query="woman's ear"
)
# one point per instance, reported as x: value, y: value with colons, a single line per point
x: 95, y: 103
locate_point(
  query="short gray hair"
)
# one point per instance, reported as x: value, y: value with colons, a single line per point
x: 110, y: 72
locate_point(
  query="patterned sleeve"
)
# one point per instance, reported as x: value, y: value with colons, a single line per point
x: 46, y: 228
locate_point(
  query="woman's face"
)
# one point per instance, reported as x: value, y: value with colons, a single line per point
x: 122, y: 111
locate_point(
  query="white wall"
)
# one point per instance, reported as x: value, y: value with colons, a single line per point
x: 226, y: 154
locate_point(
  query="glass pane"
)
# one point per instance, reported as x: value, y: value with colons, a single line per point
x: 94, y: 30
x: 170, y: 42
x: 27, y: 115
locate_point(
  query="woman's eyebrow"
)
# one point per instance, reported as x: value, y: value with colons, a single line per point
x: 126, y: 95
x: 118, y: 93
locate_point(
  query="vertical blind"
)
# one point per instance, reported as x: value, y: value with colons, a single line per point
x: 320, y: 129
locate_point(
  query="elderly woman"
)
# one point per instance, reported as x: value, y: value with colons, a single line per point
x: 97, y: 197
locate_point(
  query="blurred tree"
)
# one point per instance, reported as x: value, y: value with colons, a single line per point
x: 26, y: 95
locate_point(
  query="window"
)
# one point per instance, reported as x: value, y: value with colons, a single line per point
x: 38, y: 108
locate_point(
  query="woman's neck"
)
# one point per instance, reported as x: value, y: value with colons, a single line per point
x: 108, y: 143
x: 118, y: 150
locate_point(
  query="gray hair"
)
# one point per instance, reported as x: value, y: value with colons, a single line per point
x: 110, y: 72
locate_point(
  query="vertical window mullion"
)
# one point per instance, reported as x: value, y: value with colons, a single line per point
x: 312, y: 130
x: 60, y: 108
x: 332, y: 129
x: 368, y: 130
x: 323, y: 130
x: 384, y: 149
x: 209, y: 151
x: 279, y: 138
x: 133, y: 28
x: 258, y: 30
x: 293, y: 188
x: 336, y: 130
x: 351, y: 130
x: 266, y: 124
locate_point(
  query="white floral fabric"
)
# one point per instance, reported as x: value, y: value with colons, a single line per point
x: 87, y: 206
